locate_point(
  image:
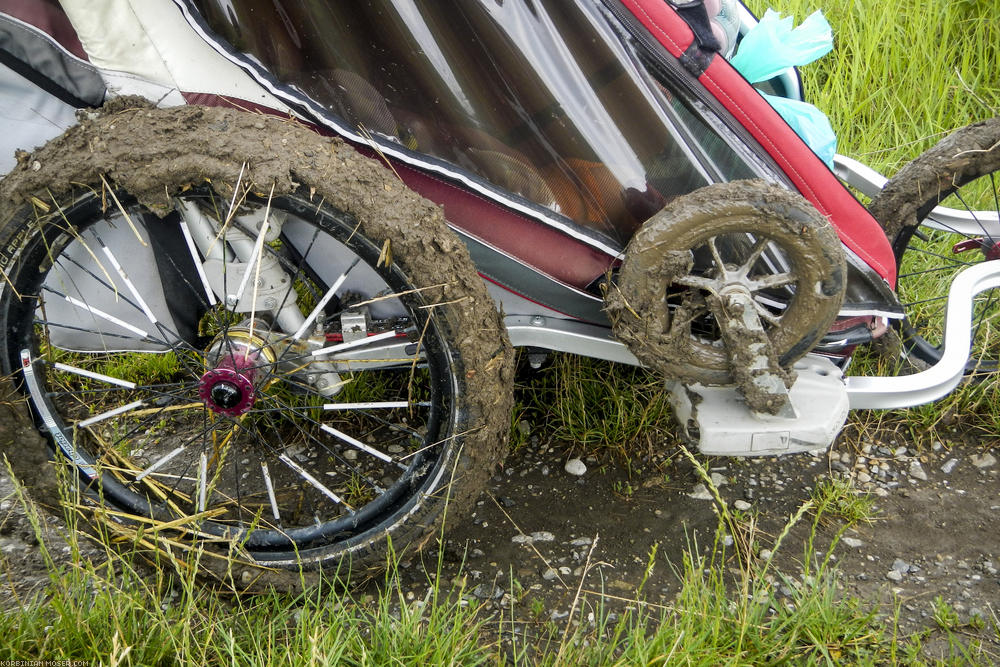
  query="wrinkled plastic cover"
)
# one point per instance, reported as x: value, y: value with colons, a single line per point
x: 545, y: 99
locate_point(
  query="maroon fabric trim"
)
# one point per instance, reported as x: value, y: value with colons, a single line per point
x: 855, y: 226
x: 533, y: 243
x: 47, y: 16
x: 545, y: 249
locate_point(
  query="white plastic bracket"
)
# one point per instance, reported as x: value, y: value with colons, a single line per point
x: 719, y: 422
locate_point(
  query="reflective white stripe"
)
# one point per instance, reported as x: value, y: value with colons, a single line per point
x: 252, y: 262
x: 106, y: 316
x: 202, y: 482
x: 159, y: 464
x: 38, y: 398
x: 94, y: 376
x: 270, y: 491
x: 109, y: 414
x: 198, y: 265
x: 315, y: 482
x: 356, y: 443
x: 322, y: 302
x: 385, y: 405
x: 128, y: 283
x: 354, y: 343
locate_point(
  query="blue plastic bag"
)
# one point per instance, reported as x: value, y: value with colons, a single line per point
x: 772, y: 46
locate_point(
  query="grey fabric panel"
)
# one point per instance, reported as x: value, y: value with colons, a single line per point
x: 38, y: 54
x: 29, y: 116
x: 73, y: 327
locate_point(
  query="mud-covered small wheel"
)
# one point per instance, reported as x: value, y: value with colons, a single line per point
x: 745, y: 235
x: 241, y: 336
x: 931, y: 247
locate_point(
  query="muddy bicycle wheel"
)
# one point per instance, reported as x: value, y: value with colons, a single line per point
x: 746, y: 235
x: 281, y: 355
x: 932, y: 246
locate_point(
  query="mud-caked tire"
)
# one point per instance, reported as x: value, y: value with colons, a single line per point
x: 959, y: 172
x: 335, y: 500
x: 659, y: 304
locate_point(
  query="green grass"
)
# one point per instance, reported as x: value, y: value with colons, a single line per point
x: 114, y: 612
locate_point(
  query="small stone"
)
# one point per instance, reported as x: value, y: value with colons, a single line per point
x: 899, y: 452
x: 542, y: 536
x: 550, y: 574
x: 937, y: 446
x: 521, y: 539
x: 351, y: 455
x: 881, y: 491
x: 853, y: 542
x: 719, y: 479
x: 900, y: 565
x: 581, y: 542
x: 765, y: 554
x: 742, y: 505
x: 863, y: 477
x: 565, y: 571
x: 949, y: 465
x: 395, y: 449
x: 984, y: 461
x: 700, y: 492
x: 894, y: 575
x: 575, y: 467
x: 917, y: 471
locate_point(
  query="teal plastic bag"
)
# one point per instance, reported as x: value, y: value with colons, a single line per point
x: 772, y: 46
x: 809, y: 123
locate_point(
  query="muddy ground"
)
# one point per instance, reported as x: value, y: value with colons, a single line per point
x: 535, y: 531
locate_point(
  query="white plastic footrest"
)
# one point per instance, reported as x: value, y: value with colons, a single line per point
x: 718, y: 421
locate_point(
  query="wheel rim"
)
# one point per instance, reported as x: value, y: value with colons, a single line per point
x: 928, y: 258
x: 221, y: 431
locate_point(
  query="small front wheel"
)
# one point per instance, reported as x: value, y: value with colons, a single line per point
x: 749, y: 236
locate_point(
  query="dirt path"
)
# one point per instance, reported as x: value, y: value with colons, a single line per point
x: 539, y: 525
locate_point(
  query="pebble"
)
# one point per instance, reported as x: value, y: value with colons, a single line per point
x: 894, y: 575
x: 581, y: 542
x: 351, y: 455
x: 550, y: 574
x: 899, y: 452
x: 700, y: 492
x: 864, y: 477
x: 766, y: 554
x: 900, y: 565
x: 719, y: 479
x: 853, y: 542
x: 742, y: 505
x: 917, y: 471
x: 575, y: 467
x: 521, y: 539
x: 542, y: 536
x: 986, y: 460
x: 949, y: 465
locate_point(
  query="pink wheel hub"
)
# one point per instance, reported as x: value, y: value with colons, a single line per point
x: 228, y: 389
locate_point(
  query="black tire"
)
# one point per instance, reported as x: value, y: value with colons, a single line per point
x: 670, y: 267
x: 234, y: 409
x: 959, y: 173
